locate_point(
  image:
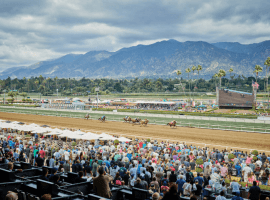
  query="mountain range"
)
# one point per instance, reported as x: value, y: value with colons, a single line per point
x: 161, y: 59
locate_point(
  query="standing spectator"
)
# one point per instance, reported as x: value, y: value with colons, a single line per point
x: 172, y: 178
x: 254, y: 192
x: 235, y: 187
x: 172, y: 194
x: 246, y: 171
x: 66, y: 167
x: 187, y: 188
x: 101, y: 184
x: 180, y: 182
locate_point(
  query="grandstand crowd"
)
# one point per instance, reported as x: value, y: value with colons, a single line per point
x: 167, y: 170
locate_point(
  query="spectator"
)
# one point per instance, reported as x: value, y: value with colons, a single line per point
x: 101, y: 184
x: 155, y: 196
x: 187, y: 188
x: 172, y: 193
x: 221, y: 196
x: 254, y: 192
x: 11, y: 196
x: 46, y: 197
x: 237, y: 196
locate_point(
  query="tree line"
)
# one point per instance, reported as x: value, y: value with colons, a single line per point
x: 84, y: 86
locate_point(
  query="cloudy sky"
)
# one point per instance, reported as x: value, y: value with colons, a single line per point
x: 33, y: 30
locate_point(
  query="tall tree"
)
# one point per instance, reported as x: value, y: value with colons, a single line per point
x: 221, y: 73
x: 267, y: 64
x: 199, y: 68
x: 258, y: 69
x: 188, y: 70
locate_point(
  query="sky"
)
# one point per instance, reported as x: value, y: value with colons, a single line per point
x: 32, y: 30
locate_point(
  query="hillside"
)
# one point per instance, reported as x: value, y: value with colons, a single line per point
x: 160, y: 59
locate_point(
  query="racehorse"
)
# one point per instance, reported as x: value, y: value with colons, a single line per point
x: 102, y: 119
x: 86, y: 116
x: 173, y: 123
x: 144, y: 122
x: 127, y: 119
x: 136, y: 120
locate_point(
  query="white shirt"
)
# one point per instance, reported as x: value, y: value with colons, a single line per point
x: 235, y: 187
x: 66, y: 155
x: 258, y: 162
x: 247, y: 170
x: 220, y: 198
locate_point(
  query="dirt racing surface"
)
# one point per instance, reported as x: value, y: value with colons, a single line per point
x: 198, y: 137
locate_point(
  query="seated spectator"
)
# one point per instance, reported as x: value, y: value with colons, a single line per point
x: 46, y: 197
x: 237, y: 196
x: 44, y: 174
x: 11, y: 196
x: 80, y: 178
x: 221, y: 196
x: 155, y: 196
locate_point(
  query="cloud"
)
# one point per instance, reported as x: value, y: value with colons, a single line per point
x: 33, y: 31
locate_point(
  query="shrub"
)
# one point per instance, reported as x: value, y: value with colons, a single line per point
x: 199, y: 161
x: 73, y: 143
x: 148, y: 140
x: 231, y: 156
x: 255, y: 152
x: 198, y: 169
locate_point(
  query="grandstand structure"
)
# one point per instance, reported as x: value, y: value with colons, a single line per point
x: 232, y: 99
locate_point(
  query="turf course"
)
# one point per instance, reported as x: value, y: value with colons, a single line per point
x: 206, y: 124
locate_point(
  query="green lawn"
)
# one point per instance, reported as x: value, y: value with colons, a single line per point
x: 239, y: 126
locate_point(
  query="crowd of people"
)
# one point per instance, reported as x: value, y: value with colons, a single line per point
x: 167, y: 170
x: 147, y: 106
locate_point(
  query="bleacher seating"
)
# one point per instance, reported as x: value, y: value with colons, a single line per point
x: 235, y: 99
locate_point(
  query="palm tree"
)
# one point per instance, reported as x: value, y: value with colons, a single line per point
x: 193, y: 68
x: 221, y: 73
x: 179, y: 73
x: 199, y: 68
x: 267, y: 63
x: 188, y: 70
x: 231, y: 70
x: 215, y: 76
x: 258, y: 69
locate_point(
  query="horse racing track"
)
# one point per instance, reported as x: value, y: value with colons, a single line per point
x: 199, y: 137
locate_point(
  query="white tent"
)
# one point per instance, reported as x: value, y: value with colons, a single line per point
x: 104, y: 136
x: 122, y: 139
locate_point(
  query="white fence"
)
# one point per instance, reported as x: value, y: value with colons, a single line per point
x: 225, y: 119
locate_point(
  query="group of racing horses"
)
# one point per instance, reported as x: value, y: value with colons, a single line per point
x: 133, y: 121
x: 136, y: 121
